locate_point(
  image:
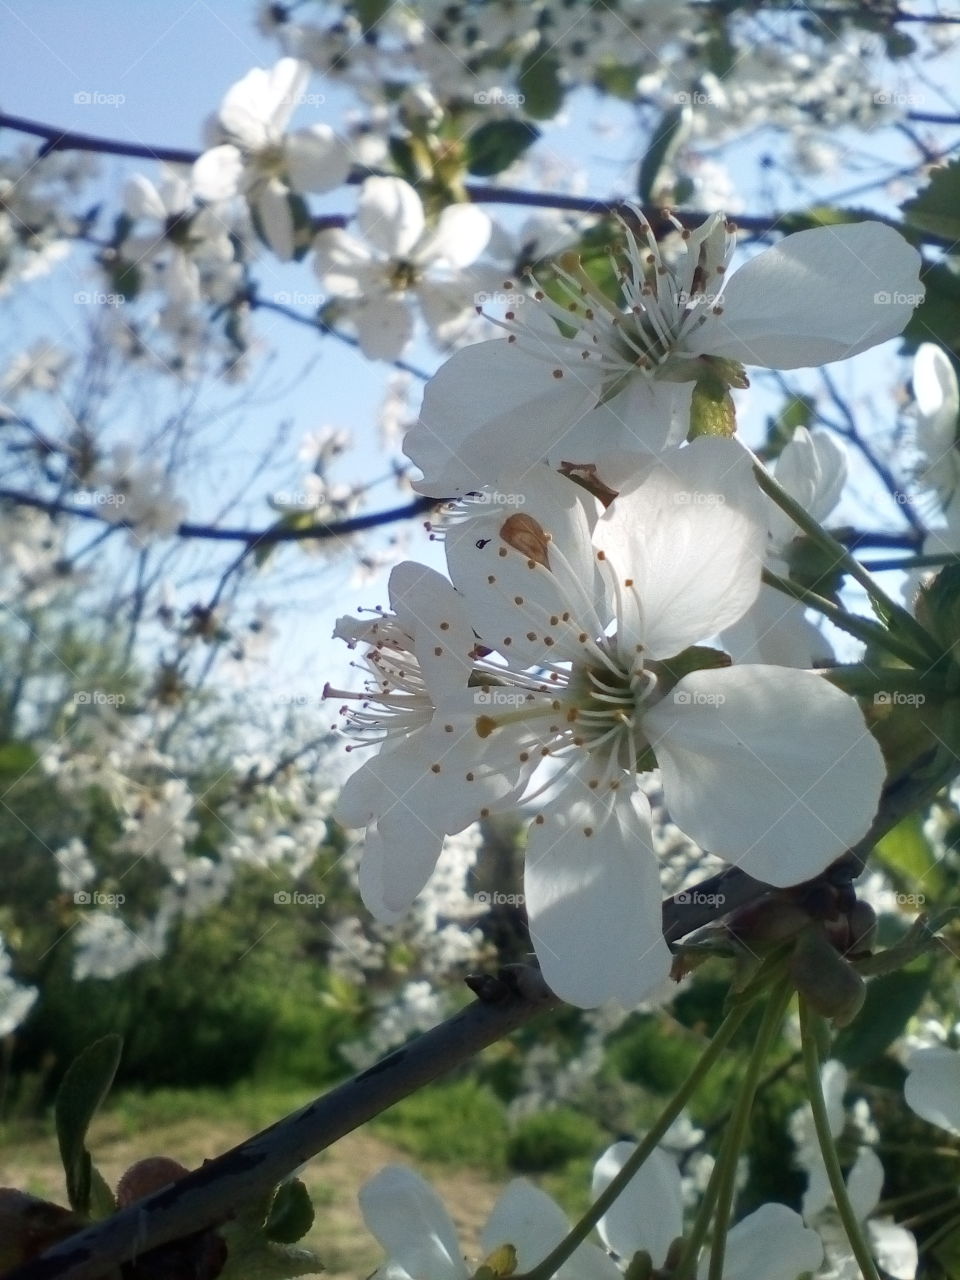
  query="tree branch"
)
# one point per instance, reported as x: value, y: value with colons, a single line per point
x: 213, y: 1193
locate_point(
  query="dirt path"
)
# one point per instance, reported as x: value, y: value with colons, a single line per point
x: 333, y: 1179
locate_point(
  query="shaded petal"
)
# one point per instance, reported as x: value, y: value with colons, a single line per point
x: 813, y: 470
x: 218, y: 173
x: 390, y: 215
x: 769, y: 1244
x: 141, y: 199
x: 384, y: 326
x: 527, y: 1218
x: 771, y: 768
x: 689, y: 535
x: 344, y: 264
x: 460, y: 236
x: 273, y: 212
x: 410, y: 1221
x: 434, y: 613
x: 932, y: 1087
x: 776, y: 630
x: 593, y: 900
x: 490, y: 401
x: 865, y: 1183
x: 894, y: 1247
x: 818, y: 296
x: 316, y: 159
x: 648, y: 1213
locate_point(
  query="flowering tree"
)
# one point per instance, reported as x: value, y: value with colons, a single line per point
x: 644, y: 647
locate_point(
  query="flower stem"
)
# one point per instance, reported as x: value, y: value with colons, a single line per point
x: 828, y: 1149
x: 886, y: 609
x: 558, y: 1256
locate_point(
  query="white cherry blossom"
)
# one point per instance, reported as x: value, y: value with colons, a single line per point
x: 260, y: 160
x: 624, y: 378
x: 400, y: 261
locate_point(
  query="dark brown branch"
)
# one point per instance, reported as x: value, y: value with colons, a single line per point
x: 213, y: 1193
x: 252, y: 537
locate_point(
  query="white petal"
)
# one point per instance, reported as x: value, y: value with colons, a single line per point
x: 390, y: 215
x: 447, y: 308
x: 344, y: 263
x: 316, y: 159
x: 460, y: 236
x: 648, y: 1214
x: 938, y: 401
x: 527, y: 1218
x: 818, y: 296
x: 141, y: 199
x: 689, y: 534
x: 488, y: 402
x: 435, y: 615
x: 218, y: 173
x: 273, y: 211
x: 593, y: 900
x: 865, y: 1183
x: 768, y: 767
x: 776, y: 630
x: 384, y: 326
x: 769, y: 1244
x: 813, y: 470
x: 894, y: 1248
x: 410, y: 1221
x: 932, y: 1087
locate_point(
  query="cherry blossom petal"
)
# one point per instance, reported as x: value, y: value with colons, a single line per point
x: 460, y: 236
x: 818, y: 296
x: 648, y: 1213
x: 316, y: 159
x: 141, y: 199
x: 769, y: 1244
x: 776, y: 630
x: 218, y: 173
x: 894, y: 1247
x: 390, y: 215
x: 813, y: 470
x: 276, y: 221
x: 932, y: 1087
x: 384, y: 326
x: 410, y: 1221
x: 688, y: 537
x: 434, y: 614
x: 771, y: 768
x: 527, y: 1218
x: 345, y: 264
x: 937, y: 396
x: 490, y: 401
x: 592, y: 886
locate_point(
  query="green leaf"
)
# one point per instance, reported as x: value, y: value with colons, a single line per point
x: 83, y: 1088
x: 905, y: 852
x: 538, y: 79
x: 16, y: 759
x: 937, y: 319
x: 369, y: 12
x: 291, y: 1214
x: 891, y: 1000
x: 494, y: 146
x: 667, y: 138
x: 616, y: 78
x: 937, y: 207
